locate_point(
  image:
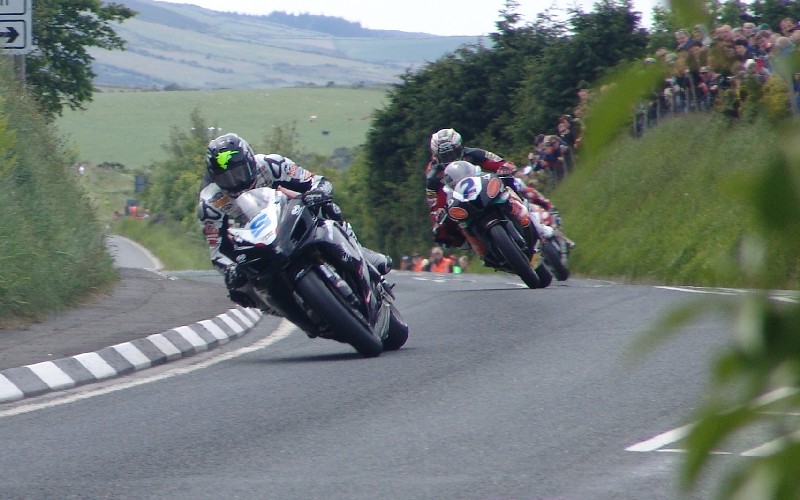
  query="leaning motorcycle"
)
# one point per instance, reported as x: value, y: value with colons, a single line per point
x: 495, y: 222
x: 308, y: 269
x: 553, y: 245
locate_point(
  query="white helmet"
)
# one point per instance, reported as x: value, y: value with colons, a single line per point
x: 458, y: 170
x: 446, y: 146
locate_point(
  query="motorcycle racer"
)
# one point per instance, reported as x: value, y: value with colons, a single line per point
x: 535, y: 197
x: 232, y: 169
x: 446, y: 147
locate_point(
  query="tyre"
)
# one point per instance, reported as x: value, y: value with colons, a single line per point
x: 516, y: 260
x: 552, y: 259
x: 343, y: 321
x: 545, y: 276
x: 398, y: 332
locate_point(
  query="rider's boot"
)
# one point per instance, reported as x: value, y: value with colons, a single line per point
x: 381, y: 262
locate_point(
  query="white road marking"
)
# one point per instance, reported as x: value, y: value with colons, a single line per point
x: 663, y: 439
x: 771, y: 447
x: 695, y: 290
x: 777, y: 295
x: 284, y: 329
x: 657, y: 443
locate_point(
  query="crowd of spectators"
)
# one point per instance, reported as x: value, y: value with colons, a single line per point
x: 553, y: 154
x: 437, y: 262
x: 720, y: 69
x: 708, y: 69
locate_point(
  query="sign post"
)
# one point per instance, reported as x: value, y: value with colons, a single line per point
x: 16, y: 23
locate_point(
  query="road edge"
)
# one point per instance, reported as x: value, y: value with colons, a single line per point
x: 125, y: 358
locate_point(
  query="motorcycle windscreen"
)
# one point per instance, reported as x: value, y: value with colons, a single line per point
x: 467, y: 189
x: 261, y: 208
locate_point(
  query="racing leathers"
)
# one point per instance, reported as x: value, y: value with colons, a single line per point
x: 217, y: 212
x: 445, y: 230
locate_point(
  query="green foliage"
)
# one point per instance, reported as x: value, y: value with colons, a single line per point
x: 54, y: 254
x: 688, y: 231
x: 174, y: 184
x: 613, y: 109
x: 60, y: 69
x: 8, y: 141
x: 775, y: 100
x: 730, y: 12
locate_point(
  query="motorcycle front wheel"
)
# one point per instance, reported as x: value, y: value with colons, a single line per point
x: 398, y: 331
x: 552, y: 258
x: 331, y: 307
x: 516, y: 260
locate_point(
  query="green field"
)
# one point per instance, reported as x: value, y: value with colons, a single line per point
x: 131, y: 128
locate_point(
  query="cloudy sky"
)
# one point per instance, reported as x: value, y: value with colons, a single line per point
x: 471, y: 17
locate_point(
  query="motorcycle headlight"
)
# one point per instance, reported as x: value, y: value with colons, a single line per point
x: 494, y: 187
x: 457, y: 213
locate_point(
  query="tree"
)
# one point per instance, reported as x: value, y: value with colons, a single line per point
x: 173, y: 184
x: 59, y: 70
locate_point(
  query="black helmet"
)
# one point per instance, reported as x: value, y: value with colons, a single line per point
x: 231, y: 163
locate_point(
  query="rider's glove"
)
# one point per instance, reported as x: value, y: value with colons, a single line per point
x: 438, y: 216
x: 233, y: 278
x: 441, y: 216
x: 316, y: 197
x: 507, y: 168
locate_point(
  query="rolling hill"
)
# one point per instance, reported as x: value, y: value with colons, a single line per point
x: 179, y: 46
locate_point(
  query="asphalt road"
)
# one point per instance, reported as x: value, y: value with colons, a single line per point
x: 500, y: 392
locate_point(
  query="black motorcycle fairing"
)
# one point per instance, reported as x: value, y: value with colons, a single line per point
x: 302, y: 241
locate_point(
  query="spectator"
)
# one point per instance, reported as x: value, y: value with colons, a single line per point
x: 567, y: 137
x: 796, y: 90
x: 700, y: 34
x: 438, y: 263
x: 418, y: 263
x: 743, y: 51
x: 723, y: 33
x: 682, y: 40
x: 783, y: 46
x: 460, y: 264
x: 786, y: 26
x: 749, y: 30
x: 760, y: 75
x: 707, y: 89
x: 405, y: 263
x: 763, y: 44
x: 564, y: 127
x: 550, y: 158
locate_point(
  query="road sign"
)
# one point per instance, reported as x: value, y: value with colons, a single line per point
x: 16, y: 25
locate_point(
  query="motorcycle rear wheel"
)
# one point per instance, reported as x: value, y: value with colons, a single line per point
x: 514, y: 257
x: 552, y: 258
x: 330, y: 306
